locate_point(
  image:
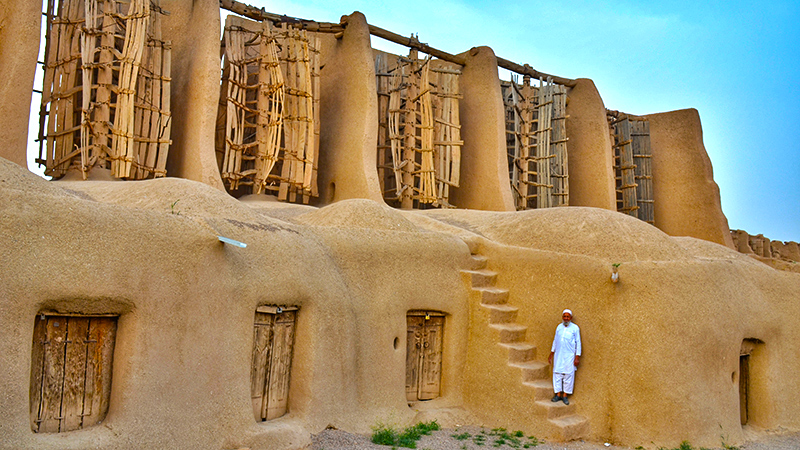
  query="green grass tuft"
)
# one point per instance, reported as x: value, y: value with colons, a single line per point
x: 387, y: 435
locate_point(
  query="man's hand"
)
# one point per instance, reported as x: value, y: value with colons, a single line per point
x: 550, y: 358
x: 577, y: 360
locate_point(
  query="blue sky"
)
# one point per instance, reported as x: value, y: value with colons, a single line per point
x: 736, y: 62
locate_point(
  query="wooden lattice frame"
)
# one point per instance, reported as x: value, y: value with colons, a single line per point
x: 633, y: 170
x: 106, y: 91
x: 419, y: 141
x: 268, y: 122
x: 537, y: 143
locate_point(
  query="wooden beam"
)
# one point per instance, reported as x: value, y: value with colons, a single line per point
x: 411, y: 42
x: 528, y: 70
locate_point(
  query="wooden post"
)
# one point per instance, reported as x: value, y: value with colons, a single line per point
x: 410, y: 132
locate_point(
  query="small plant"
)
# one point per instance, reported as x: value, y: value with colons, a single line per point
x: 462, y: 436
x: 685, y: 445
x: 519, y: 434
x: 387, y: 435
x: 172, y: 209
x: 384, y: 435
x: 725, y: 445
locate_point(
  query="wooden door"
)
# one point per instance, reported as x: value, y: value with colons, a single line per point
x: 273, y: 341
x: 71, y: 363
x: 424, y: 355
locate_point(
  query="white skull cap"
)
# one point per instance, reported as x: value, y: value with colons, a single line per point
x: 567, y: 311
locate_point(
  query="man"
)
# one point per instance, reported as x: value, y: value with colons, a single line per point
x: 564, y: 357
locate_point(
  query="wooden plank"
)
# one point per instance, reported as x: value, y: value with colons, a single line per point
x: 414, y: 342
x: 105, y: 76
x: 382, y: 87
x: 560, y: 171
x: 45, y: 143
x: 53, y: 379
x: 396, y: 124
x: 316, y: 93
x: 627, y: 182
x: 455, y: 136
x: 165, y: 123
x: 259, y: 370
x: 123, y: 148
x: 640, y: 147
x: 71, y: 106
x: 280, y: 365
x: 38, y: 351
x: 528, y: 114
x: 289, y: 116
x: 426, y: 177
x: 74, y: 374
x: 409, y: 132
x: 431, y: 374
x: 87, y: 50
x: 99, y: 364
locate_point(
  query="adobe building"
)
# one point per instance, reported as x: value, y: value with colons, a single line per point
x: 238, y: 251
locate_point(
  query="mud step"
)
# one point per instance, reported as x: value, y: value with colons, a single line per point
x: 520, y: 352
x: 510, y: 332
x: 556, y: 410
x: 477, y: 262
x: 474, y: 244
x: 542, y: 388
x: 532, y: 370
x: 482, y: 277
x: 572, y: 427
x: 492, y: 295
x: 501, y: 313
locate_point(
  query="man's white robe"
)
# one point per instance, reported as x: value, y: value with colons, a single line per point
x: 566, y: 345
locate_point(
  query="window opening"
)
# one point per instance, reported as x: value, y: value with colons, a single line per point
x: 424, y: 355
x: 71, y: 365
x: 273, y: 343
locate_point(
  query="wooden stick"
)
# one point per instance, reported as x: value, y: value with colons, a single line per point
x: 165, y: 119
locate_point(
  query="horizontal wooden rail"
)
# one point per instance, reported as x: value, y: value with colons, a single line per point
x: 411, y: 42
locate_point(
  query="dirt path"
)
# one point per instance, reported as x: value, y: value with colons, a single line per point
x: 477, y: 438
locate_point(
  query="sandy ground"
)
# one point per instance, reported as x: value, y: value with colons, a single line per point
x: 477, y: 438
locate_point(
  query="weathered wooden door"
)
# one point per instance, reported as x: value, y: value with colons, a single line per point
x: 71, y: 363
x: 273, y: 341
x: 424, y: 355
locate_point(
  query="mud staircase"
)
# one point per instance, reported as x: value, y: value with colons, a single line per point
x: 568, y: 425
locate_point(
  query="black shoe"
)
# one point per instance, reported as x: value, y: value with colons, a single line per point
x: 566, y: 402
x: 555, y: 398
